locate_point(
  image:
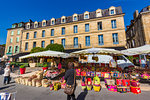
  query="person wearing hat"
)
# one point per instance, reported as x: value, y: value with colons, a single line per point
x: 7, y: 74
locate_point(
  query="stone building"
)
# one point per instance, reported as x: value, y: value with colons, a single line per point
x: 138, y: 33
x: 100, y: 28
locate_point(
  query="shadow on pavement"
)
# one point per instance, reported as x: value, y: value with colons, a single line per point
x: 82, y: 95
x: 1, y: 88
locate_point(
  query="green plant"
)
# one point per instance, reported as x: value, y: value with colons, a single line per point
x: 22, y: 66
x: 45, y: 65
x: 55, y: 47
x: 37, y: 49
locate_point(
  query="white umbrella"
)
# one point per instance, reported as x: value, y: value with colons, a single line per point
x: 136, y: 51
x: 96, y: 51
x: 46, y: 54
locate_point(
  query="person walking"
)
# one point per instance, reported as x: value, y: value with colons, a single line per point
x: 70, y: 79
x: 7, y: 74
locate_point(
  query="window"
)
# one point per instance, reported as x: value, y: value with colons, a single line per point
x: 43, y: 33
x: 63, y: 31
x: 28, y: 26
x: 115, y: 38
x: 27, y: 36
x: 34, y: 44
x: 17, y: 39
x: 63, y: 42
x: 18, y: 32
x: 35, y: 33
x: 16, y: 49
x: 86, y: 16
x: 43, y: 44
x: 75, y: 18
x: 36, y: 25
x: 52, y: 32
x: 44, y: 23
x: 11, y: 40
x: 113, y: 23
x: 75, y: 29
x: 99, y: 25
x: 26, y: 46
x: 75, y: 42
x: 12, y: 32
x: 86, y: 27
x: 13, y: 26
x: 53, y: 22
x: 112, y: 12
x: 87, y: 40
x: 100, y: 40
x: 52, y: 41
x: 10, y: 49
x: 20, y: 25
x: 63, y: 20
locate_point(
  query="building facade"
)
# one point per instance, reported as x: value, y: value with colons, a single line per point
x: 100, y: 28
x: 138, y: 33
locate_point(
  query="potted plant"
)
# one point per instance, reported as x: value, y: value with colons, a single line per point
x: 45, y: 66
x: 22, y: 69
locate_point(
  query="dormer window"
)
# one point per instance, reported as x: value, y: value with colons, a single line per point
x: 75, y: 17
x: 52, y: 21
x: 28, y: 26
x: 63, y: 19
x: 14, y: 26
x: 112, y: 12
x: 86, y: 15
x: 98, y: 13
x: 36, y: 25
x: 20, y: 25
x: 44, y: 23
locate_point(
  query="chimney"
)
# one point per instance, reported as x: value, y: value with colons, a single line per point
x: 136, y: 13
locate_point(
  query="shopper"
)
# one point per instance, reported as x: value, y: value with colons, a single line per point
x: 143, y: 63
x: 69, y: 77
x: 7, y: 74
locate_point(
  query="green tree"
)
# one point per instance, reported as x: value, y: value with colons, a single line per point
x: 37, y: 49
x: 55, y: 47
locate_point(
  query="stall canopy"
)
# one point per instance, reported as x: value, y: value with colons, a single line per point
x: 46, y: 54
x: 137, y: 51
x: 96, y: 51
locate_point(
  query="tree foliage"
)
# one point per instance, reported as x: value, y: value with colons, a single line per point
x: 37, y: 49
x: 55, y: 47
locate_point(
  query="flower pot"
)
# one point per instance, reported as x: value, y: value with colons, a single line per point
x: 22, y: 70
x: 44, y: 68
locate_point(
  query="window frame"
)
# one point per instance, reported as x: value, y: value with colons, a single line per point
x: 87, y: 41
x: 26, y: 46
x: 87, y: 30
x: 43, y: 42
x: 76, y: 43
x: 99, y: 26
x: 115, y: 38
x: 52, y: 32
x: 34, y: 44
x: 75, y: 28
x: 100, y: 39
x: 114, y: 24
x: 63, y: 42
x: 63, y: 29
x: 27, y: 35
x: 35, y: 35
x: 43, y: 33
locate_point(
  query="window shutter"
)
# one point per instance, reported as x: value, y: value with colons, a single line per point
x: 14, y: 49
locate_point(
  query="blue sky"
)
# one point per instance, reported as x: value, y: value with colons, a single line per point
x: 14, y: 11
